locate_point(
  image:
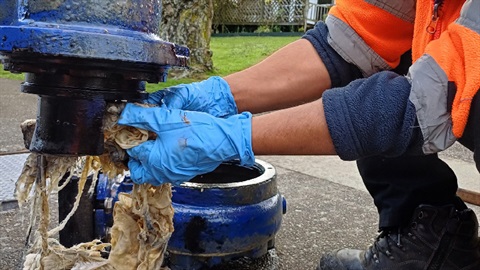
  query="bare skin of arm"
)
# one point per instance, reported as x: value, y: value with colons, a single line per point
x: 294, y: 75
x: 300, y: 130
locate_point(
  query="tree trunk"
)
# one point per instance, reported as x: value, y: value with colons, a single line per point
x: 189, y: 23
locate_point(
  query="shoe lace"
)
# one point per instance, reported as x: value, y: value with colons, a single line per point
x: 384, y: 242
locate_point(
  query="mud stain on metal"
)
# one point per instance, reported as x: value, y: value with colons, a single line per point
x: 192, y: 234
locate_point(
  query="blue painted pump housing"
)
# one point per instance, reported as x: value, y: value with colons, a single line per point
x: 110, y: 30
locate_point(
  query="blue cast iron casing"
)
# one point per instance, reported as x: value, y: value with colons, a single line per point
x: 231, y: 213
x: 79, y: 54
x: 98, y: 30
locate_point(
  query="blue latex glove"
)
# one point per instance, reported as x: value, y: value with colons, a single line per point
x: 212, y: 96
x: 187, y: 144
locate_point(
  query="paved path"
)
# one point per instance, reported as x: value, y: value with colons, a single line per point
x: 15, y: 107
x: 328, y: 206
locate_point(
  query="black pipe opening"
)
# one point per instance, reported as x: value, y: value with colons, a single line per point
x: 228, y: 173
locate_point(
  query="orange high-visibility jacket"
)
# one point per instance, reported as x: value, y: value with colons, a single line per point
x: 444, y: 36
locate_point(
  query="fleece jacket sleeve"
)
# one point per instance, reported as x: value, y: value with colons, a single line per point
x: 372, y: 116
x: 341, y: 72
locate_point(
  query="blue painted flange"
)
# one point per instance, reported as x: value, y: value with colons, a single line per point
x: 110, y: 30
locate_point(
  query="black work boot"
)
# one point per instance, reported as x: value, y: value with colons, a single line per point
x: 437, y: 238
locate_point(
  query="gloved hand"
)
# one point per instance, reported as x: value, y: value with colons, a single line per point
x: 187, y: 144
x: 212, y: 96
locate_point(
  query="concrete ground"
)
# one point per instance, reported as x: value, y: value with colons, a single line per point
x: 328, y: 207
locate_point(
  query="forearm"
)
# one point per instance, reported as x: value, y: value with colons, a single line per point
x: 367, y: 117
x: 296, y: 74
x: 300, y: 130
x: 293, y: 75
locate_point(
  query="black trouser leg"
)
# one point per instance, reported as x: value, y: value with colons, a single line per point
x: 471, y: 134
x: 399, y: 185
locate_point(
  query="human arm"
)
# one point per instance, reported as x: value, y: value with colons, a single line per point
x: 192, y: 143
x: 437, y: 93
x: 291, y: 76
x: 269, y: 85
x: 354, y: 121
x: 295, y: 74
x: 371, y: 116
x: 358, y: 37
x: 299, y: 130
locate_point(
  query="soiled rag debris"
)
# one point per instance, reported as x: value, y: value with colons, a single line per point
x: 143, y: 220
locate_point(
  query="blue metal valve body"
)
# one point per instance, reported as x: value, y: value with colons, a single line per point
x: 233, y: 212
x: 111, y: 30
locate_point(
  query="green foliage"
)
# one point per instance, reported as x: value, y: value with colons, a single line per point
x: 268, y: 29
x: 263, y: 29
x: 230, y: 54
x: 8, y: 75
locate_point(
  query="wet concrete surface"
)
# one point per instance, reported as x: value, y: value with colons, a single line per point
x: 13, y: 232
x: 327, y: 206
x: 14, y: 228
x: 15, y: 107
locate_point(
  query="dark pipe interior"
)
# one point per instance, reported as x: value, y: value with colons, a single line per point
x: 228, y: 173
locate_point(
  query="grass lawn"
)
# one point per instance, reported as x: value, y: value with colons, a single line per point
x: 230, y: 54
x: 9, y: 75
